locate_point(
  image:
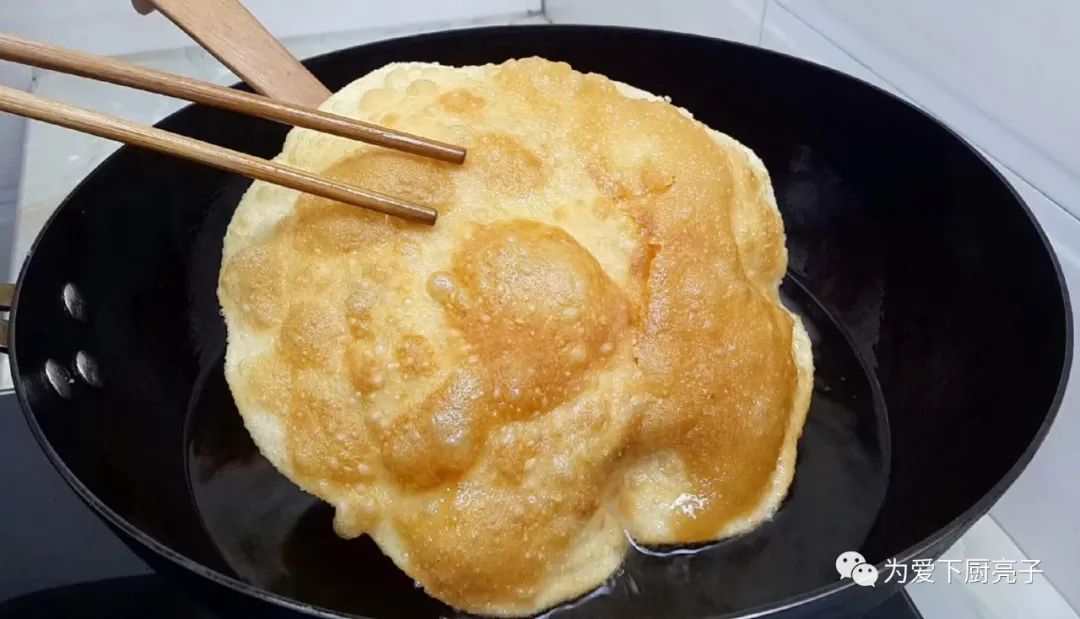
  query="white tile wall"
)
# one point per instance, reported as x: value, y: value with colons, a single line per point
x: 737, y: 20
x: 1001, y: 72
x: 11, y: 139
x: 11, y: 127
x: 113, y: 27
x: 783, y: 31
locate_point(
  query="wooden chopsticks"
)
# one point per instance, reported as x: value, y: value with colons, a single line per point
x: 110, y: 70
x: 114, y: 71
x: 113, y: 128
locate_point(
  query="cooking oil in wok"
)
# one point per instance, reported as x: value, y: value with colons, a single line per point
x: 277, y: 537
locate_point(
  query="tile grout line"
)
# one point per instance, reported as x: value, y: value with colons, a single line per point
x: 842, y: 49
x: 1033, y: 186
x: 761, y: 24
x: 1046, y: 577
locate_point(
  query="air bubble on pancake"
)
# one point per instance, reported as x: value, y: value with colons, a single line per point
x: 327, y: 228
x: 326, y: 438
x: 266, y: 192
x: 578, y: 354
x: 356, y: 515
x: 521, y: 277
x: 506, y: 165
x: 451, y: 422
x: 462, y: 101
x: 365, y: 367
x: 414, y: 355
x: 312, y: 335
x: 441, y: 286
x: 405, y: 176
x: 254, y: 279
x: 437, y: 441
x: 459, y: 134
x: 270, y: 381
x: 375, y: 100
x: 398, y: 78
x: 341, y: 107
x: 362, y: 297
x: 445, y: 289
x: 421, y: 88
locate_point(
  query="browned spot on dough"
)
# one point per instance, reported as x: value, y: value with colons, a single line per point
x: 327, y: 438
x: 541, y: 310
x: 415, y: 355
x: 489, y: 517
x: 363, y: 294
x: 254, y: 278
x: 365, y: 371
x: 437, y: 441
x: 312, y: 335
x: 269, y: 382
x: 327, y: 227
x: 624, y: 184
x: 462, y: 101
x: 487, y: 521
x: 506, y: 165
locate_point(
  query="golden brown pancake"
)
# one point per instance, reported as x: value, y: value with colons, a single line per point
x: 589, y: 343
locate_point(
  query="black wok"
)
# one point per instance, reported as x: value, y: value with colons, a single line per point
x: 939, y: 317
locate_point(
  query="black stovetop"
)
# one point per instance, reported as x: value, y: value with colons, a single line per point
x: 57, y: 560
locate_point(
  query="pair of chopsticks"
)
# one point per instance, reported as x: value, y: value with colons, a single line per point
x: 114, y: 71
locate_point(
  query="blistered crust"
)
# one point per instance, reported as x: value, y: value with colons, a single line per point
x: 588, y: 342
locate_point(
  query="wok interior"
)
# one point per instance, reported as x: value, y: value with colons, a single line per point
x: 912, y: 244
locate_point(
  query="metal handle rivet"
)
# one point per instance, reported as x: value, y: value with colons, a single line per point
x: 74, y: 303
x: 87, y: 369
x: 59, y: 378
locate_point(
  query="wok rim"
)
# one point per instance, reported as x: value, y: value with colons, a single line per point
x: 952, y: 529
